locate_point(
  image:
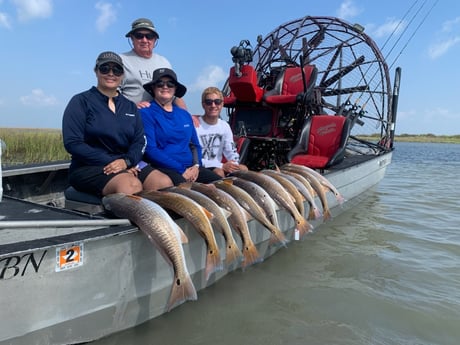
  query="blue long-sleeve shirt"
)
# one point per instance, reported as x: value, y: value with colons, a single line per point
x: 94, y: 135
x: 169, y: 135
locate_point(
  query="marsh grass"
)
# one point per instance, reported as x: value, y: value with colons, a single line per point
x: 419, y: 138
x: 32, y: 145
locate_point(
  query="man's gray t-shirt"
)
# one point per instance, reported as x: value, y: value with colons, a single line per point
x: 138, y: 71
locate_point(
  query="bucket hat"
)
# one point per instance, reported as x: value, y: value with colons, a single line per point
x: 165, y: 72
x: 142, y: 23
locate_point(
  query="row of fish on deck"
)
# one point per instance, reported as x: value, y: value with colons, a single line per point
x: 226, y: 204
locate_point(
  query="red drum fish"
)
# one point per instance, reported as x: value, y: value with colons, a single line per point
x: 237, y: 219
x: 163, y: 232
x: 198, y: 216
x: 280, y: 195
x: 233, y: 253
x: 253, y: 208
x: 321, y: 178
x: 261, y: 196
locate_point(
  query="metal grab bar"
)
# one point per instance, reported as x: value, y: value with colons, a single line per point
x: 18, y: 224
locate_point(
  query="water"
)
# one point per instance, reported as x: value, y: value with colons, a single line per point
x: 386, y: 272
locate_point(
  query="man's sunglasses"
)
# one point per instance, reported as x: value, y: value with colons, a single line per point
x: 105, y: 69
x: 168, y: 83
x: 140, y: 35
x: 216, y: 101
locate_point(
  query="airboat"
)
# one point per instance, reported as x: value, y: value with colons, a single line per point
x: 314, y: 92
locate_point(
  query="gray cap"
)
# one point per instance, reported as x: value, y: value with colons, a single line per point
x: 106, y: 57
x: 142, y: 23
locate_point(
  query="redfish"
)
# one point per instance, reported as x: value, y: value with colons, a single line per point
x: 280, y: 195
x: 314, y: 182
x: 308, y: 193
x: 253, y: 208
x: 237, y: 219
x: 198, y: 216
x: 290, y: 188
x: 261, y: 196
x: 321, y: 178
x: 233, y: 253
x: 163, y: 232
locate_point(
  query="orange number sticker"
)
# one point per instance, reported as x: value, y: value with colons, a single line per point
x: 69, y: 257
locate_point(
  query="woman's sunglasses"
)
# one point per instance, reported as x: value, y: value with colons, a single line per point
x: 105, y: 69
x: 168, y: 83
x: 216, y: 101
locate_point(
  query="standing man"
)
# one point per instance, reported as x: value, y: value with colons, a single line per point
x: 215, y: 135
x: 141, y: 61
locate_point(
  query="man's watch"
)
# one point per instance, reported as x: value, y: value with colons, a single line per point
x: 196, y: 165
x: 128, y: 163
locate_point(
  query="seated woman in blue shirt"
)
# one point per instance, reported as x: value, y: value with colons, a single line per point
x: 172, y: 143
x: 103, y: 132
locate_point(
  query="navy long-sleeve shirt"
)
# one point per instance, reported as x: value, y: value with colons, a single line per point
x: 94, y: 135
x: 169, y: 135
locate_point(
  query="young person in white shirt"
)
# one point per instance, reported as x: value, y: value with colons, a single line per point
x: 215, y: 135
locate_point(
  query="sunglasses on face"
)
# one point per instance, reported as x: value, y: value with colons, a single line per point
x: 216, y: 101
x: 116, y: 70
x: 140, y: 35
x: 168, y: 83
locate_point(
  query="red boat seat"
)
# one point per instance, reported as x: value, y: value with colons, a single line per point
x: 321, y: 142
x: 245, y: 88
x: 289, y: 85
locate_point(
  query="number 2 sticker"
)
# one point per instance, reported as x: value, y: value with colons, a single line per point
x: 69, y: 257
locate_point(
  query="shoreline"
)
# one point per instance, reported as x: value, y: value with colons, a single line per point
x: 420, y: 138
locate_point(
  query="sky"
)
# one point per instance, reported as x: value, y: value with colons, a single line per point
x: 49, y: 47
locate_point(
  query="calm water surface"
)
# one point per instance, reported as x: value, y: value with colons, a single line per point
x: 385, y: 272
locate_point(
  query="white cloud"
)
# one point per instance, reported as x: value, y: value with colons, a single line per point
x: 39, y: 98
x: 390, y: 27
x: 5, y: 21
x: 438, y: 49
x: 449, y: 25
x: 210, y: 76
x: 106, y: 17
x: 348, y: 10
x: 30, y: 9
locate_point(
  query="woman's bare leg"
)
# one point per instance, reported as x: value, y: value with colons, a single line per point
x: 157, y: 180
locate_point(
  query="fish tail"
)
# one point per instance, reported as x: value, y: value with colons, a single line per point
x: 314, y: 213
x: 213, y: 263
x: 251, y: 255
x: 304, y: 227
x: 233, y: 254
x: 327, y: 215
x: 340, y: 199
x: 278, y: 237
x: 318, y: 213
x: 182, y: 290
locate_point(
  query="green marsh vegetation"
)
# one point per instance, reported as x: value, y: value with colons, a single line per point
x: 420, y: 138
x: 32, y: 145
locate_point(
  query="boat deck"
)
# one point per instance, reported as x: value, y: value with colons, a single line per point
x: 26, y: 225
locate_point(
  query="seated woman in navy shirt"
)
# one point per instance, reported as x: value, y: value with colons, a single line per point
x: 103, y: 132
